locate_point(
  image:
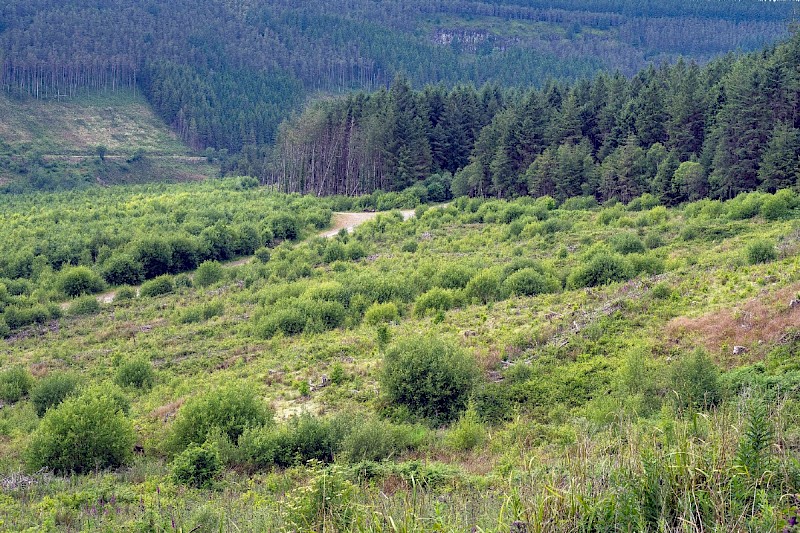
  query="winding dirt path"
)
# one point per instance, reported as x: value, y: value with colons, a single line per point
x: 348, y: 221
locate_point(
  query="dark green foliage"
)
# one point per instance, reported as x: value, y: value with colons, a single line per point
x: 262, y: 254
x: 432, y: 378
x: 530, y: 282
x: 137, y: 373
x: 229, y: 410
x: 125, y: 293
x: 373, y: 439
x: 284, y: 227
x: 74, y: 281
x: 51, y: 390
x: 197, y: 466
x: 15, y: 383
x: 87, y: 305
x: 694, y: 382
x: 600, y: 270
x: 123, y: 269
x: 754, y: 454
x: 453, y: 276
x: 157, y: 287
x: 627, y: 243
x: 301, y: 439
x: 84, y: 433
x: 761, y: 251
x: 208, y: 273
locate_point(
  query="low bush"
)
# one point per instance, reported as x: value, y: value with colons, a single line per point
x: 86, y: 305
x: 75, y: 281
x: 208, y: 273
x: 600, y: 270
x: 430, y: 377
x: 229, y: 410
x: 301, y: 439
x: 376, y: 440
x: 436, y: 299
x: 51, y: 390
x: 761, y: 251
x: 197, y: 466
x: 157, y: 287
x: 694, y: 380
x: 137, y: 373
x: 627, y: 243
x: 381, y: 313
x: 467, y: 433
x: 529, y: 282
x: 484, y: 287
x: 125, y: 293
x: 15, y: 383
x: 82, y: 434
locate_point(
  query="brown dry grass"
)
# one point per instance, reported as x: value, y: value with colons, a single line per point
x: 755, y: 324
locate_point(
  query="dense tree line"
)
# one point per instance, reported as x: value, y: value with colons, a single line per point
x: 680, y: 132
x: 225, y: 74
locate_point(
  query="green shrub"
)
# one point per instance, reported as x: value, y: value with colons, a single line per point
x: 694, y: 380
x: 197, y: 466
x: 467, y: 433
x: 409, y: 246
x: 529, y: 282
x: 123, y: 269
x: 87, y: 305
x: 82, y: 434
x: 183, y: 281
x: 662, y: 291
x: 355, y: 251
x: 5, y: 330
x: 775, y: 208
x: 453, y: 277
x: 262, y: 255
x: 137, y: 373
x: 432, y: 378
x: 627, y: 243
x: 653, y: 241
x: 381, y: 313
x: 600, y: 270
x: 230, y: 409
x: 157, y: 287
x: 484, y: 287
x: 208, y: 273
x: 301, y: 439
x: 74, y: 281
x: 15, y: 383
x: 761, y: 251
x: 125, y: 293
x: 436, y: 299
x: 51, y: 390
x: 285, y: 227
x: 373, y: 439
x: 202, y: 312
x: 289, y: 321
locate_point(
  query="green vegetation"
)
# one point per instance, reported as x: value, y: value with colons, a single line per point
x: 562, y: 366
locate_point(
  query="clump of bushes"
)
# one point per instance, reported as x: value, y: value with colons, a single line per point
x: 229, y: 410
x: 695, y: 382
x: 627, y: 243
x: 761, y: 251
x: 201, y: 312
x: 157, y: 287
x: 484, y: 287
x: 51, y: 390
x: 82, y: 434
x: 15, y: 383
x: 431, y: 378
x: 137, y: 373
x: 299, y: 315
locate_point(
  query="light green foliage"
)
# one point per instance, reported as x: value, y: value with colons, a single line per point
x: 51, y: 390
x: 197, y: 466
x: 230, y: 409
x: 483, y: 287
x: 136, y: 373
x: 208, y: 273
x: 530, y: 282
x: 435, y: 299
x: 83, y: 433
x: 431, y: 377
x: 761, y: 251
x: 381, y: 313
x: 467, y: 433
x: 15, y: 382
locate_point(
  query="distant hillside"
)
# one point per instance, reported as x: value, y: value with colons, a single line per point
x: 225, y: 74
x: 56, y: 143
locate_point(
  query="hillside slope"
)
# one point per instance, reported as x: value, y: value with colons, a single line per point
x: 55, y: 143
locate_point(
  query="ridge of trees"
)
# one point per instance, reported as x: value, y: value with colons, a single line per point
x: 224, y: 75
x: 681, y: 132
